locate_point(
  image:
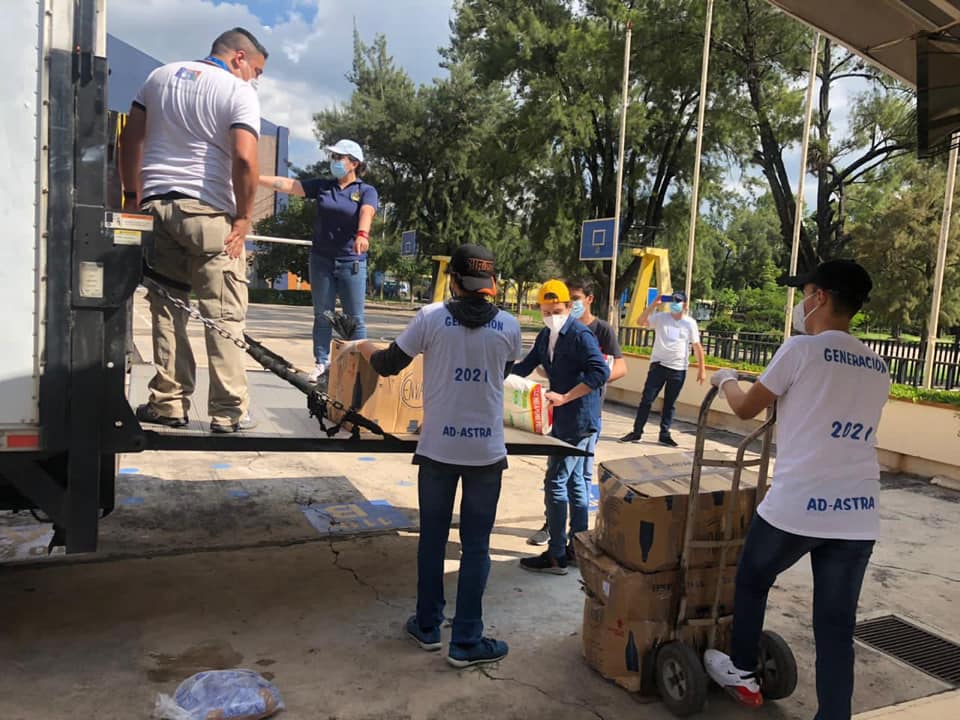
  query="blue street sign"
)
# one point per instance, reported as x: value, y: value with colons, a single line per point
x: 408, y: 244
x: 596, y: 239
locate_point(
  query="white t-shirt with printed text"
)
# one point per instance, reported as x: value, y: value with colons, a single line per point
x: 672, y: 339
x: 191, y: 108
x: 462, y: 384
x: 826, y: 482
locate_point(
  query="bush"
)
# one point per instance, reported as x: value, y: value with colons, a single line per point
x: 913, y: 394
x: 269, y: 296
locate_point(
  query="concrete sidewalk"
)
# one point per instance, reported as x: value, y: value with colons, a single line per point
x: 211, y: 561
x: 937, y: 707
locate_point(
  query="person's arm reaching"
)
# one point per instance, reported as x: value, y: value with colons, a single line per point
x: 131, y: 156
x: 647, y: 312
x: 595, y: 373
x: 702, y: 368
x: 745, y: 405
x: 361, y: 243
x: 246, y: 172
x: 290, y: 186
x: 618, y: 370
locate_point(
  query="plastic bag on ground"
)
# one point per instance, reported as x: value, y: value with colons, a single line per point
x: 525, y: 405
x: 221, y: 695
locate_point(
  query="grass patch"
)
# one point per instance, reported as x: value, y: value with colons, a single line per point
x: 912, y: 394
x: 899, y: 392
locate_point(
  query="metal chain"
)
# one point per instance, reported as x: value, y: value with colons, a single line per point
x: 226, y: 334
x: 195, y: 314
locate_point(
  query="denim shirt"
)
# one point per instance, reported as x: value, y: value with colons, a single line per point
x: 576, y: 359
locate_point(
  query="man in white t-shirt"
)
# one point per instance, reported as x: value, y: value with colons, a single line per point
x: 188, y: 157
x: 830, y: 389
x: 469, y: 346
x: 676, y: 334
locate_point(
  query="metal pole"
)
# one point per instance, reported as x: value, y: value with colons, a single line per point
x: 801, y: 185
x: 613, y: 317
x: 934, y: 325
x: 701, y: 112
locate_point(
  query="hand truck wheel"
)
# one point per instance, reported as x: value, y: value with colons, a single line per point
x: 778, y: 667
x: 681, y: 679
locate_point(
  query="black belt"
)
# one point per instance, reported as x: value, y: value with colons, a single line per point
x: 172, y: 195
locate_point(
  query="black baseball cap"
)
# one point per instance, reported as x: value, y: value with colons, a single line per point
x: 847, y: 278
x: 473, y: 266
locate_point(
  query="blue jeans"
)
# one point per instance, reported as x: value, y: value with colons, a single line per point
x: 330, y: 279
x: 657, y: 377
x: 838, y: 569
x: 564, y: 484
x: 478, y: 510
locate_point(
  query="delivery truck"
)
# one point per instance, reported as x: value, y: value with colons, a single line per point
x: 69, y: 266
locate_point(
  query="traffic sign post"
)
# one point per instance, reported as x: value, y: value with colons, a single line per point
x: 408, y: 244
x: 596, y: 239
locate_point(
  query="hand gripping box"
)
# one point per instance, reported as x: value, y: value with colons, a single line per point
x: 395, y: 403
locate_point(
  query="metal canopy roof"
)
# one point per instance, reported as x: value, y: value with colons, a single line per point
x: 883, y: 32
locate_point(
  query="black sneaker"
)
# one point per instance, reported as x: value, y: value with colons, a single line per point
x: 669, y: 441
x: 148, y: 414
x: 631, y: 437
x: 540, y: 537
x: 545, y: 563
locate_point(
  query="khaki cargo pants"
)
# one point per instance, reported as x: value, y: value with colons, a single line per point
x: 188, y: 247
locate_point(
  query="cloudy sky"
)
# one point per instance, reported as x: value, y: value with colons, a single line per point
x: 310, y: 44
x: 311, y: 50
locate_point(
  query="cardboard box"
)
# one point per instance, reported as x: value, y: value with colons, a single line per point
x: 643, y: 509
x: 625, y: 651
x: 395, y: 403
x: 632, y: 595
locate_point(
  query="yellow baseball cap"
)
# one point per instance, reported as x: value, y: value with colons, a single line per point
x: 553, y: 291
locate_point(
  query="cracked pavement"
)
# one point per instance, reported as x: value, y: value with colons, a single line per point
x: 209, y: 561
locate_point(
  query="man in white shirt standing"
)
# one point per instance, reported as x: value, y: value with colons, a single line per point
x: 830, y: 389
x: 676, y: 333
x: 189, y: 158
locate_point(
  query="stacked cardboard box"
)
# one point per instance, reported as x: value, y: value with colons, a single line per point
x: 395, y: 403
x: 631, y: 563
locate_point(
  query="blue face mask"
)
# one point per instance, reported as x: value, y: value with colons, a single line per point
x: 577, y: 309
x: 338, y: 169
x: 676, y: 308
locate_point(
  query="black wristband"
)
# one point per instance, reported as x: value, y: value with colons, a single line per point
x: 129, y: 195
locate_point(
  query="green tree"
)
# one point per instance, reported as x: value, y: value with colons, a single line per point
x: 895, y: 231
x: 562, y: 62
x: 295, y: 222
x: 769, y: 54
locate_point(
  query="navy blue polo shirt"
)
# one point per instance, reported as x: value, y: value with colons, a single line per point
x: 576, y: 359
x: 338, y: 214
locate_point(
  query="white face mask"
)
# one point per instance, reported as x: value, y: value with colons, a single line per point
x: 799, y: 317
x: 255, y: 84
x: 555, y: 322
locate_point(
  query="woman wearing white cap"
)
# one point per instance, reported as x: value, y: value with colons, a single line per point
x: 338, y: 258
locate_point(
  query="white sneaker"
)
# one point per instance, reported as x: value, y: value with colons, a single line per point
x: 742, y: 685
x: 320, y: 369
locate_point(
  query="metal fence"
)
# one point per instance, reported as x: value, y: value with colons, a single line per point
x: 904, y: 358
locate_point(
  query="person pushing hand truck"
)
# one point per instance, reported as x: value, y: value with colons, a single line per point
x: 830, y: 390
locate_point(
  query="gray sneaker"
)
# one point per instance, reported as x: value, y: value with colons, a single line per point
x: 540, y: 537
x: 245, y: 423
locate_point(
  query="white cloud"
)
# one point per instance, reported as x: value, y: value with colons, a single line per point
x: 310, y: 44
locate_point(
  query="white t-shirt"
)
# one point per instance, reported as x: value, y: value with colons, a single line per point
x: 191, y: 108
x: 672, y: 340
x: 831, y: 389
x: 462, y: 384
